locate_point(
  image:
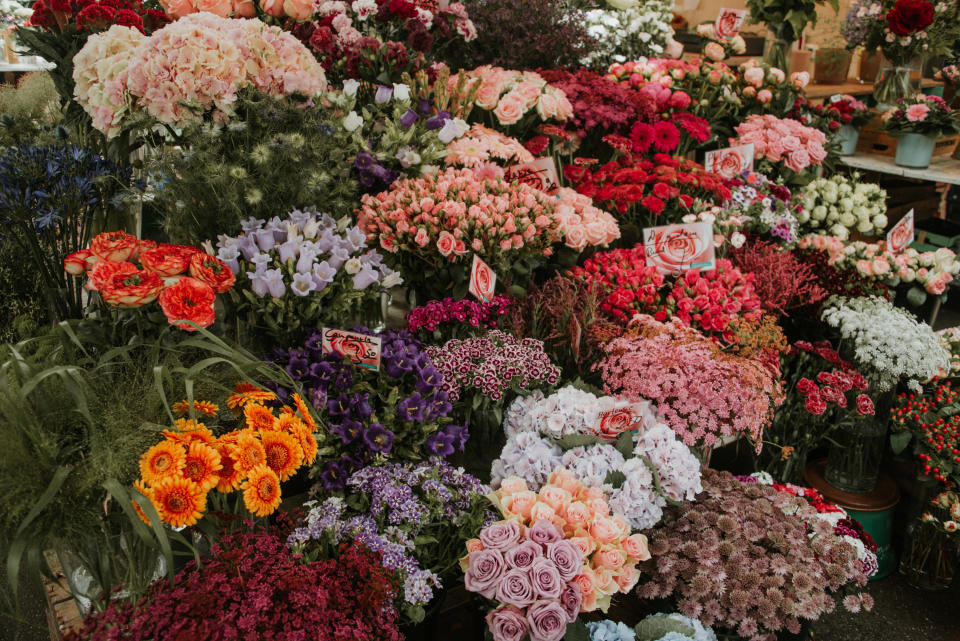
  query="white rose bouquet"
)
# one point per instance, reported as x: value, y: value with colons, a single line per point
x: 839, y: 204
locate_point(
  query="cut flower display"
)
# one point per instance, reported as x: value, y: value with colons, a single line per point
x: 840, y: 204
x: 921, y: 114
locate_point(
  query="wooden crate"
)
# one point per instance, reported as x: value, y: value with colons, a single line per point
x: 874, y: 140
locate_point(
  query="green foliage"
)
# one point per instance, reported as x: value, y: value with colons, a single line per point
x: 658, y: 626
x: 29, y: 111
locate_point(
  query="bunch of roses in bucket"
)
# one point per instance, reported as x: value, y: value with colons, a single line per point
x: 588, y: 554
x: 260, y: 451
x: 781, y: 145
x: 750, y: 559
x: 417, y: 515
x: 645, y: 191
x: 705, y: 395
x: 163, y: 75
x: 400, y: 411
x: 429, y: 225
x: 186, y: 301
x: 708, y: 301
x: 261, y: 590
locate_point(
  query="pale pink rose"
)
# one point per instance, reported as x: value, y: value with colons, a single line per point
x: 604, y: 530
x: 790, y: 143
x: 422, y: 238
x: 529, y: 92
x: 636, y: 547
x: 754, y: 76
x: 865, y: 267
x: 597, y: 233
x: 513, y: 484
x: 714, y: 51
x: 917, y: 113
x: 937, y: 285
x: 773, y: 151
x: 446, y: 243
x: 606, y: 582
x: 298, y: 9
x: 547, y: 106
x: 764, y: 96
x: 510, y: 109
x: 222, y: 8
x: 564, y: 108
x: 576, y: 238
x: 476, y: 244
x: 488, y: 95
x: 798, y: 160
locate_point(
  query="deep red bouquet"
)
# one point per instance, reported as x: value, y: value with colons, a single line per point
x: 909, y: 16
x: 658, y: 190
x: 600, y: 105
x: 59, y: 16
x: 708, y: 301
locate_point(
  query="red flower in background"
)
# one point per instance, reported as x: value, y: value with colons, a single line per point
x: 188, y: 300
x: 95, y: 17
x: 909, y: 16
x: 666, y: 137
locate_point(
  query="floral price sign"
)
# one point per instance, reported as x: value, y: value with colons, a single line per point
x: 730, y: 162
x: 483, y: 280
x: 729, y: 22
x: 900, y: 237
x: 625, y: 417
x: 540, y: 173
x: 674, y: 249
x: 362, y: 349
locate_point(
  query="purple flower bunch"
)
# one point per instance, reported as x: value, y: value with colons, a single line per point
x: 437, y: 313
x: 400, y: 411
x: 531, y: 573
x: 492, y: 364
x: 418, y: 515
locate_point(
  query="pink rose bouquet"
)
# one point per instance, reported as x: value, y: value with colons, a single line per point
x: 780, y: 142
x: 921, y: 114
x: 514, y: 101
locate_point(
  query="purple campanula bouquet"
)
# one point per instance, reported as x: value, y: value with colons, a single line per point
x: 417, y: 515
x: 302, y: 272
x: 400, y: 411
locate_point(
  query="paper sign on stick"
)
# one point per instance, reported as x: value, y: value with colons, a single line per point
x: 674, y: 249
x: 540, y: 173
x: 362, y: 349
x: 483, y: 280
x: 730, y: 162
x: 900, y: 237
x: 728, y: 22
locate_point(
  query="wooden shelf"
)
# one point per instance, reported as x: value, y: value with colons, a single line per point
x: 819, y: 92
x: 945, y: 170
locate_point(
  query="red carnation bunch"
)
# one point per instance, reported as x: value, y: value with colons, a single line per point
x: 162, y: 273
x: 643, y: 190
x: 831, y: 387
x: 707, y: 301
x: 909, y: 16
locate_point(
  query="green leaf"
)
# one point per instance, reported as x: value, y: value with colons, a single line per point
x: 616, y: 478
x: 899, y: 441
x: 625, y: 444
x: 577, y: 631
x: 571, y: 441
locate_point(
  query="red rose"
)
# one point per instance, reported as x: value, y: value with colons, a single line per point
x: 101, y: 274
x: 167, y: 260
x: 188, y: 300
x: 131, y: 289
x: 117, y: 246
x: 909, y: 16
x: 212, y: 271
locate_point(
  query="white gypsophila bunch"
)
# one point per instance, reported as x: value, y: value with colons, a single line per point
x: 889, y: 344
x: 628, y: 33
x: 839, y: 204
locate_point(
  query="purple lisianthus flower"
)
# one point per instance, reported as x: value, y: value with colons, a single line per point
x: 360, y: 404
x: 411, y: 408
x: 384, y: 94
x: 384, y: 174
x: 408, y: 118
x: 543, y: 532
x: 436, y: 122
x: 378, y: 438
x: 516, y: 589
x: 364, y: 161
x: 547, y: 621
x: 485, y: 568
x: 440, y: 444
x: 298, y: 365
x: 365, y: 277
x: 567, y: 557
x: 523, y: 555
x: 571, y: 600
x: 507, y: 624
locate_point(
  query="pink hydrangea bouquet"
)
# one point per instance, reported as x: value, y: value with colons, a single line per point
x: 563, y: 510
x: 921, y: 114
x: 781, y: 142
x: 99, y: 76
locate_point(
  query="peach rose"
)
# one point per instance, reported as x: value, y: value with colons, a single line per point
x: 609, y: 558
x: 474, y: 545
x: 445, y: 243
x: 222, y: 8
x: 578, y: 513
x: 529, y: 92
x: 556, y: 497
x: 586, y: 581
x: 522, y: 503
x: 636, y: 547
x: 628, y: 578
x: 599, y: 507
x: 565, y: 479
x: 244, y: 9
x: 272, y: 7
x: 623, y: 524
x: 513, y: 484
x: 177, y: 8
x: 510, y: 109
x: 591, y: 493
x: 298, y: 9
x: 488, y: 95
x: 542, y: 511
x: 585, y: 543
x: 607, y: 582
x: 604, y: 530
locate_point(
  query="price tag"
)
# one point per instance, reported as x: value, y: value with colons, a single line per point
x: 483, y: 280
x: 900, y: 237
x: 674, y: 249
x: 730, y: 162
x: 363, y: 350
x: 728, y: 22
x: 540, y: 173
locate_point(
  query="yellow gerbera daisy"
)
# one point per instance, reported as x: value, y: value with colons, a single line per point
x: 207, y: 408
x: 179, y: 501
x: 284, y: 455
x: 259, y: 417
x: 202, y: 465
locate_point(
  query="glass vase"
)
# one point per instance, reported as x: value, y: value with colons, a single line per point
x: 853, y: 462
x: 894, y: 82
x: 929, y: 558
x: 778, y: 54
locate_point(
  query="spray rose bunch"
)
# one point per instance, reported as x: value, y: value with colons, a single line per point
x: 563, y: 510
x: 839, y: 204
x: 482, y: 145
x: 750, y: 559
x: 706, y: 394
x: 185, y: 279
x: 780, y: 142
x: 515, y: 101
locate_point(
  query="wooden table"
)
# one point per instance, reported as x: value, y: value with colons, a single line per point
x: 819, y: 92
x: 944, y: 170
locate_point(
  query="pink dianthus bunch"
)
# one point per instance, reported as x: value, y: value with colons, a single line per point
x: 782, y: 140
x: 435, y: 313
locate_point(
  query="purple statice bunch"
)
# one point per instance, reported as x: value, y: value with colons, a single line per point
x: 400, y: 411
x: 859, y: 21
x: 492, y: 364
x: 418, y: 515
x: 750, y: 559
x: 436, y: 314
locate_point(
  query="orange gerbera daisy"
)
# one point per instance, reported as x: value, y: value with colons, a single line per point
x: 179, y: 501
x: 139, y: 486
x: 259, y: 417
x: 202, y: 465
x: 284, y: 455
x: 245, y: 393
x: 207, y: 408
x: 249, y: 453
x: 304, y: 412
x: 187, y: 430
x: 287, y: 422
x: 261, y: 491
x: 163, y: 460
x: 230, y: 475
x: 307, y: 443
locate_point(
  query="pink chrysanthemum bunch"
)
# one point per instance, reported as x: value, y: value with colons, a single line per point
x: 751, y: 559
x: 699, y: 390
x: 782, y: 140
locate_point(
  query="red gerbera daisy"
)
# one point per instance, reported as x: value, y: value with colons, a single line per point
x: 642, y: 137
x: 666, y: 137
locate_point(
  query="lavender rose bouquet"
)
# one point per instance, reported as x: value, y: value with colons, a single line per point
x: 398, y: 412
x: 303, y: 271
x: 418, y: 516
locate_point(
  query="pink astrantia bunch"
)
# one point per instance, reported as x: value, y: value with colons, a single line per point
x: 437, y: 313
x: 100, y: 75
x: 492, y: 364
x: 700, y: 391
x: 482, y: 145
x: 508, y: 96
x: 565, y: 509
x: 782, y: 140
x: 193, y: 66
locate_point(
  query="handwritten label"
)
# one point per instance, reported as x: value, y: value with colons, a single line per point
x: 730, y: 162
x: 624, y: 417
x: 483, y: 280
x: 540, y: 173
x: 901, y: 235
x: 362, y: 349
x: 729, y: 22
x: 674, y: 249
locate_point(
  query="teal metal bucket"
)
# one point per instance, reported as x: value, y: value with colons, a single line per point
x: 879, y: 524
x: 914, y: 150
x: 847, y: 136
